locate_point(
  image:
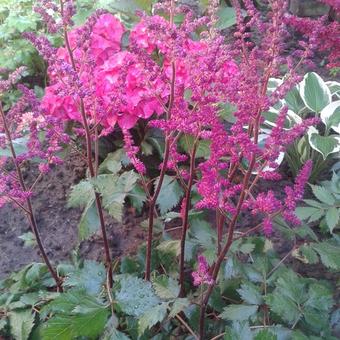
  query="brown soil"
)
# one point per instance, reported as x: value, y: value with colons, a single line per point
x: 58, y: 224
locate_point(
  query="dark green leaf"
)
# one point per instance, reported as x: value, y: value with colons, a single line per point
x: 250, y: 293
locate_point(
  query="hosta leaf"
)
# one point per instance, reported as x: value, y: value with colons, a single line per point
x: 166, y: 287
x: 238, y: 312
x: 332, y: 218
x: 19, y: 144
x: 81, y: 194
x: 170, y: 194
x: 226, y: 17
x: 330, y: 116
x: 314, y: 92
x: 21, y: 323
x: 322, y: 194
x: 326, y: 145
x: 152, y: 317
x: 89, y: 222
x: 250, y: 294
x: 294, y: 100
x: 136, y: 296
x: 91, y: 277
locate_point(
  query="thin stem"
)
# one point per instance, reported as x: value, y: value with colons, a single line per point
x: 29, y: 210
x: 186, y: 326
x: 152, y: 204
x: 186, y: 217
x: 153, y: 200
x: 90, y: 164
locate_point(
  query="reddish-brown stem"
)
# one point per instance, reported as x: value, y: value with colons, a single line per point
x: 29, y: 209
x: 243, y: 194
x: 90, y: 164
x: 152, y: 204
x: 220, y: 219
x: 186, y: 218
x: 153, y: 200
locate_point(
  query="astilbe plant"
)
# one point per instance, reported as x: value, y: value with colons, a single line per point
x: 24, y: 124
x: 179, y: 84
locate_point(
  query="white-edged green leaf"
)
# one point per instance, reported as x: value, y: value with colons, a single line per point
x: 238, y: 312
x: 326, y: 145
x: 330, y: 116
x: 314, y: 92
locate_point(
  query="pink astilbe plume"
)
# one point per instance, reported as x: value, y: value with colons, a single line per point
x: 202, y: 276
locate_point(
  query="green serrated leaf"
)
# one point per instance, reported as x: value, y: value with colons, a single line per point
x: 112, y: 162
x: 29, y: 239
x: 329, y: 254
x: 265, y: 334
x: 91, y: 277
x: 238, y: 312
x: 170, y: 247
x: 66, y: 327
x: 89, y: 222
x: 21, y: 323
x: 322, y: 194
x: 136, y: 296
x: 165, y: 287
x: 152, y: 317
x: 178, y: 306
x: 81, y: 194
x: 332, y: 218
x: 250, y: 293
x: 170, y: 194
